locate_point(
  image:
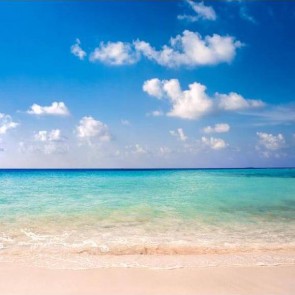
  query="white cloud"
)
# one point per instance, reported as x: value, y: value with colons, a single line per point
x: 179, y: 133
x: 191, y: 50
x: 77, y: 50
x: 164, y: 151
x: 214, y: 143
x: 217, y: 128
x: 125, y: 122
x: 153, y: 87
x: 275, y: 115
x: 45, y: 142
x: 157, y: 113
x: 201, y: 12
x: 115, y: 53
x: 194, y: 102
x: 48, y: 136
x: 6, y: 123
x: 55, y: 109
x: 135, y: 149
x: 244, y: 14
x: 234, y: 101
x: 90, y: 129
x: 139, y: 149
x: 271, y: 142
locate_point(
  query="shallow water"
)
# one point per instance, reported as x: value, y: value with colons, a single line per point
x: 81, y: 215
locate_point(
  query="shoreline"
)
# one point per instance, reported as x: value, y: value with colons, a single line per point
x: 84, y: 261
x: 20, y: 280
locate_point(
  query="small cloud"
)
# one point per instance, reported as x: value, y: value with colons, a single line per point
x: 115, y: 53
x: 271, y: 142
x: 48, y: 136
x: 125, y: 122
x: 157, y: 113
x: 55, y: 109
x: 234, y: 101
x: 202, y: 12
x: 90, y: 130
x: 6, y: 123
x: 179, y: 134
x: 217, y: 128
x: 136, y: 149
x: 244, y: 14
x: 214, y: 143
x: 164, y: 151
x: 153, y: 87
x: 77, y: 50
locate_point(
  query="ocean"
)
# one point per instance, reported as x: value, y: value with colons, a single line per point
x: 95, y: 218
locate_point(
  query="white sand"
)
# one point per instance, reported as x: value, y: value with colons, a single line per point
x: 260, y: 280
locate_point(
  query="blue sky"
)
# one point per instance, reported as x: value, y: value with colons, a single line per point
x: 147, y: 84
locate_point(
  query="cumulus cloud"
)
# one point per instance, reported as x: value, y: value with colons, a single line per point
x: 55, y: 109
x: 214, y: 143
x: 195, y: 103
x: 271, y: 142
x: 179, y: 134
x: 217, y: 128
x: 201, y: 10
x: 191, y: 49
x: 115, y: 53
x: 234, y: 101
x: 153, y: 87
x: 48, y: 136
x: 77, y: 50
x: 91, y: 130
x: 6, y: 123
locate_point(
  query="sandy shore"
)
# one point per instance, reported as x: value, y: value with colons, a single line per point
x: 199, y: 280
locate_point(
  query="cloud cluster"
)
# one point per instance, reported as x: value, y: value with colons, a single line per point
x: 271, y: 142
x: 6, y: 123
x: 92, y: 130
x: 45, y: 142
x: 179, y: 134
x: 194, y: 102
x: 202, y: 12
x: 189, y: 49
x: 55, y: 109
x: 48, y: 136
x: 217, y: 128
x: 77, y: 50
x: 214, y: 143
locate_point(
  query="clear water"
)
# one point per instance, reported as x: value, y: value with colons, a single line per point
x: 87, y: 214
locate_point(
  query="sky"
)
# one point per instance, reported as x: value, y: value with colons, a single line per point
x: 147, y: 84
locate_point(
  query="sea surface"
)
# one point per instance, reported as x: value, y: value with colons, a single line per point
x: 81, y: 218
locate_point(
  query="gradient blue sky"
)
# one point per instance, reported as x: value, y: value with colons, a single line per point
x: 105, y: 117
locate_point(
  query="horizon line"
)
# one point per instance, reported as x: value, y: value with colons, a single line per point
x: 145, y: 169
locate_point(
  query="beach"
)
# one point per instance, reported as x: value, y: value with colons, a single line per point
x: 20, y: 280
x: 147, y: 231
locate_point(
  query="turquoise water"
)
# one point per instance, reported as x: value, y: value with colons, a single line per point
x: 98, y: 212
